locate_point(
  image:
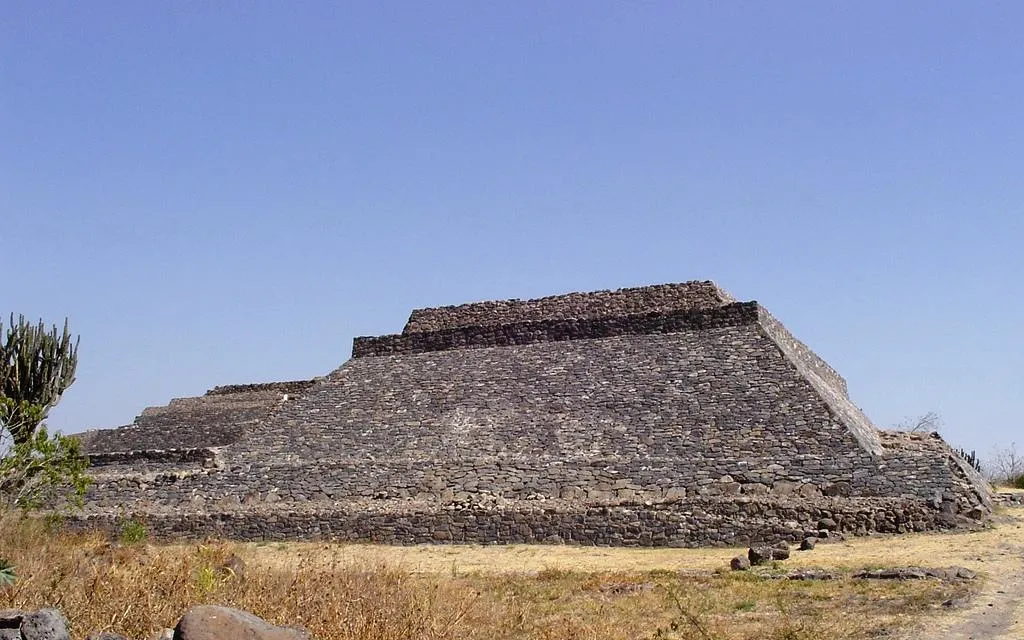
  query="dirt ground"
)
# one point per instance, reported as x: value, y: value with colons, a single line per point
x: 997, y: 612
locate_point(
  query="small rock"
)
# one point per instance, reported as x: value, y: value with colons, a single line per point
x: 105, y: 635
x: 950, y: 574
x: 828, y: 524
x: 837, y: 489
x: 45, y: 624
x: 977, y: 513
x: 208, y: 622
x: 764, y: 555
x: 739, y: 563
x: 810, y: 490
x: 10, y: 624
x: 811, y: 574
x: 808, y: 544
x: 963, y: 573
x: 895, y: 573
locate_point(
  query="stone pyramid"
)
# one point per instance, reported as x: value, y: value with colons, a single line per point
x: 660, y: 415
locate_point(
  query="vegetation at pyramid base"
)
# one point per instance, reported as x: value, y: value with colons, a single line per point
x: 44, y: 471
x: 37, y: 469
x: 37, y: 365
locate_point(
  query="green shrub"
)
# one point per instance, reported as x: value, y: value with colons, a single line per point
x: 1018, y: 482
x: 132, y: 532
x: 43, y: 471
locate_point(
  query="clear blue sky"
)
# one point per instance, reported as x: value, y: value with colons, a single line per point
x: 229, y: 192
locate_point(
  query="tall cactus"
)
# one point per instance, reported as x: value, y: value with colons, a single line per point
x: 36, y: 366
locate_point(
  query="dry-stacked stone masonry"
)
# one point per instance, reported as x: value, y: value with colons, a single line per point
x: 662, y: 415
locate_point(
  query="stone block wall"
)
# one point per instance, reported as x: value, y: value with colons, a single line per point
x: 559, y: 330
x: 695, y: 523
x: 686, y: 296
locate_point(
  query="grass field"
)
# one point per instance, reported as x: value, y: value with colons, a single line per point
x: 492, y: 592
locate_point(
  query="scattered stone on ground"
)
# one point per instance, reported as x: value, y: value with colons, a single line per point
x: 949, y: 574
x: 204, y: 622
x: 622, y: 588
x: 764, y: 555
x: 739, y: 563
x: 209, y: 622
x: 45, y: 624
x: 811, y: 574
x: 808, y: 544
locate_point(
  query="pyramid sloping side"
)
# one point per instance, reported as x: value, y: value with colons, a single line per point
x: 830, y: 386
x: 656, y: 413
x: 597, y: 304
x: 903, y: 461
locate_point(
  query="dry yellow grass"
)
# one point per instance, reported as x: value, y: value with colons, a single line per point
x: 977, y: 551
x: 494, y: 592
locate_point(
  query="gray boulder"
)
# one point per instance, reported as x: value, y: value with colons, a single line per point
x: 739, y: 563
x: 208, y: 622
x: 764, y: 555
x: 45, y: 624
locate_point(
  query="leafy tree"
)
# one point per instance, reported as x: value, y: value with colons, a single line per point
x: 36, y: 367
x: 45, y: 471
x: 36, y: 469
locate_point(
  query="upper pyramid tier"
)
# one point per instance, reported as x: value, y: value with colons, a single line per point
x: 691, y: 295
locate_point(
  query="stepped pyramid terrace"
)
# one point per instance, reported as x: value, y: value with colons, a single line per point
x: 666, y: 415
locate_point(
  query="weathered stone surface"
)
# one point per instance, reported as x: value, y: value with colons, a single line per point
x: 10, y: 624
x: 949, y: 574
x: 827, y: 524
x: 739, y: 563
x: 764, y: 554
x: 596, y: 304
x: 658, y: 416
x: 45, y: 624
x: 808, y: 543
x: 208, y: 622
x: 811, y: 574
